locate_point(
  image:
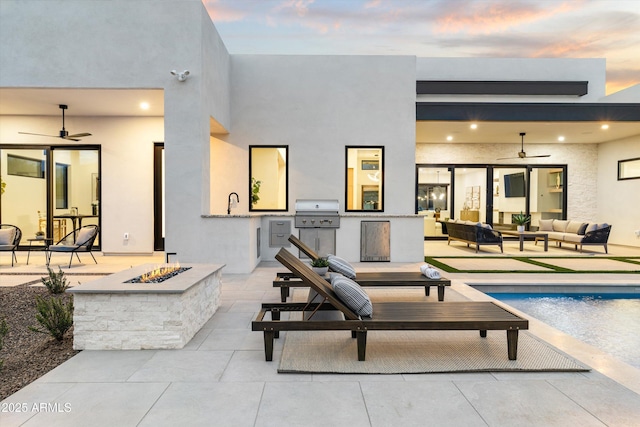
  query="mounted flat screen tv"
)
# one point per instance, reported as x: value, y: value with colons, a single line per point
x: 514, y: 185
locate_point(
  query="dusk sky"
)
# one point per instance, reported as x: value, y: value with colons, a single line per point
x: 439, y: 28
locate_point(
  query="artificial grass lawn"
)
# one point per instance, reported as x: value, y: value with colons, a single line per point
x: 534, y: 261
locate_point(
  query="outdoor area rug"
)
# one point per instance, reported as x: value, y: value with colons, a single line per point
x: 413, y: 352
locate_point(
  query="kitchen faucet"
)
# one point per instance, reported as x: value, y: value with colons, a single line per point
x: 229, y: 204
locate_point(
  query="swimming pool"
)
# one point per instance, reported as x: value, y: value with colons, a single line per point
x: 610, y: 322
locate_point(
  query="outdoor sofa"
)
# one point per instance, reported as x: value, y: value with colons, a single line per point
x: 384, y: 316
x: 577, y: 233
x: 286, y: 280
x: 473, y: 233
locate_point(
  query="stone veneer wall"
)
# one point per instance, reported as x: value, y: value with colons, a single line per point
x: 581, y: 161
x: 138, y: 321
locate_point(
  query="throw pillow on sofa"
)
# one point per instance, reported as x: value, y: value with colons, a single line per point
x: 545, y: 225
x: 560, y: 225
x: 573, y: 227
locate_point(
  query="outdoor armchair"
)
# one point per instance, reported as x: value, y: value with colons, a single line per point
x: 79, y: 240
x: 10, y: 236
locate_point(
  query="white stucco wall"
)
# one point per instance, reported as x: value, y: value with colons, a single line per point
x: 619, y: 201
x: 131, y: 44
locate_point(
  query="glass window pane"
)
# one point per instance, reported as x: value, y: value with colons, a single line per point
x: 365, y: 178
x: 629, y: 169
x: 269, y: 182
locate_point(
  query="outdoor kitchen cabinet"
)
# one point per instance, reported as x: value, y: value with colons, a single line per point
x: 321, y: 240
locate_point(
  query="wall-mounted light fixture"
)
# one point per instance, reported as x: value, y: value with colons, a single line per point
x: 181, y: 76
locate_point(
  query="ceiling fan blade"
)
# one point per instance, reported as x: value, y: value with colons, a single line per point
x: 507, y: 158
x: 68, y: 138
x: 542, y: 155
x: 38, y: 134
x: 78, y: 135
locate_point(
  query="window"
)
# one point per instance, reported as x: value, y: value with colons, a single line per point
x: 62, y: 186
x: 25, y: 166
x: 364, y: 178
x: 629, y: 169
x: 268, y: 178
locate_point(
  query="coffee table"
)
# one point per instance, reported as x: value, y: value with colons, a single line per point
x: 531, y: 234
x: 45, y: 247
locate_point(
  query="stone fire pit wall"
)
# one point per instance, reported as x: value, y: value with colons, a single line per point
x: 112, y: 315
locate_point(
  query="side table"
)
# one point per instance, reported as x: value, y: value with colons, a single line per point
x: 44, y: 247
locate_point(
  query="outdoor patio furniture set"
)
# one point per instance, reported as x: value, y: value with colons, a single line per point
x: 79, y: 240
x: 359, y: 315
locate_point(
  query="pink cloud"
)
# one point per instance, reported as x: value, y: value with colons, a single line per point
x: 490, y: 17
x: 223, y: 13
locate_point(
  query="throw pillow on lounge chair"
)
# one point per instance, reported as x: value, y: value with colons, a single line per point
x: 339, y: 265
x: 352, y: 295
x: 6, y: 236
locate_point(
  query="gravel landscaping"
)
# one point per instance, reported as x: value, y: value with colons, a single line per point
x: 27, y: 355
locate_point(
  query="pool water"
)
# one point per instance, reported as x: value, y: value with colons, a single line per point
x: 610, y: 322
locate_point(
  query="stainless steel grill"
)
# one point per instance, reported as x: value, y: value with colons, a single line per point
x: 315, y: 213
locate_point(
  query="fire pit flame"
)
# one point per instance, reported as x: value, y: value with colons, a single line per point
x: 159, y: 274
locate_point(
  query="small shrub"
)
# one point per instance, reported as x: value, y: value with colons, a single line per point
x: 55, y: 317
x: 3, y: 331
x: 56, y: 282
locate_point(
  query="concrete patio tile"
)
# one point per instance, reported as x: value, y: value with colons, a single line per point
x: 250, y: 366
x: 198, y: 339
x: 610, y: 402
x: 206, y: 404
x: 101, y: 404
x: 241, y: 321
x: 19, y: 407
x: 524, y: 403
x: 312, y: 404
x: 245, y: 306
x: 463, y: 376
x: 99, y: 366
x: 184, y: 366
x: 227, y: 339
x: 411, y: 404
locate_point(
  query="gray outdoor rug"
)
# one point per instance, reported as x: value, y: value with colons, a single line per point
x: 413, y: 352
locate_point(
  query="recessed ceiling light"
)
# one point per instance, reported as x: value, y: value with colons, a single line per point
x: 474, y: 126
x: 561, y: 138
x: 449, y: 138
x: 604, y: 126
x: 144, y: 105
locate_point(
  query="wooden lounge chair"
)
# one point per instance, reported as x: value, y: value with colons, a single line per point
x: 287, y: 280
x: 387, y: 316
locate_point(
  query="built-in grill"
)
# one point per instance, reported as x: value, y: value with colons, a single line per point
x: 316, y: 213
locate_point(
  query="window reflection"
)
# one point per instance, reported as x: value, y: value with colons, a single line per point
x: 365, y: 173
x: 268, y: 180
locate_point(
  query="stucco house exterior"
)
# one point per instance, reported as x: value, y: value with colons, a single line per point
x: 102, y: 58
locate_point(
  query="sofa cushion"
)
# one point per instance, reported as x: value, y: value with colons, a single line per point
x: 573, y: 227
x: 487, y: 226
x: 7, y: 235
x: 602, y: 226
x: 573, y: 238
x: 545, y: 225
x: 340, y: 265
x: 560, y: 225
x: 353, y: 296
x: 554, y: 235
x: 591, y: 227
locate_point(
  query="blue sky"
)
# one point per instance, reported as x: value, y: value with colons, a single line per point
x: 439, y: 28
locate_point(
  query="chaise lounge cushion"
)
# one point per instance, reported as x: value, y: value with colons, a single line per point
x: 340, y: 265
x: 353, y: 296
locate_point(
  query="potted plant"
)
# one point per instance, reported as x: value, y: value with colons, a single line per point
x: 39, y: 234
x: 320, y: 266
x: 520, y: 220
x: 255, y: 190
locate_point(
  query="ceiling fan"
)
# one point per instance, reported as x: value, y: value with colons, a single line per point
x: 521, y: 153
x: 64, y: 134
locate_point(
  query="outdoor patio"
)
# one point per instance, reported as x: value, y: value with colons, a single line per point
x: 221, y: 378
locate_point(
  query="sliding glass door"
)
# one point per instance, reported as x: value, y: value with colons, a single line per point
x: 52, y: 189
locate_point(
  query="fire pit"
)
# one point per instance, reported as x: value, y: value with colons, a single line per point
x: 120, y: 313
x: 159, y: 274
